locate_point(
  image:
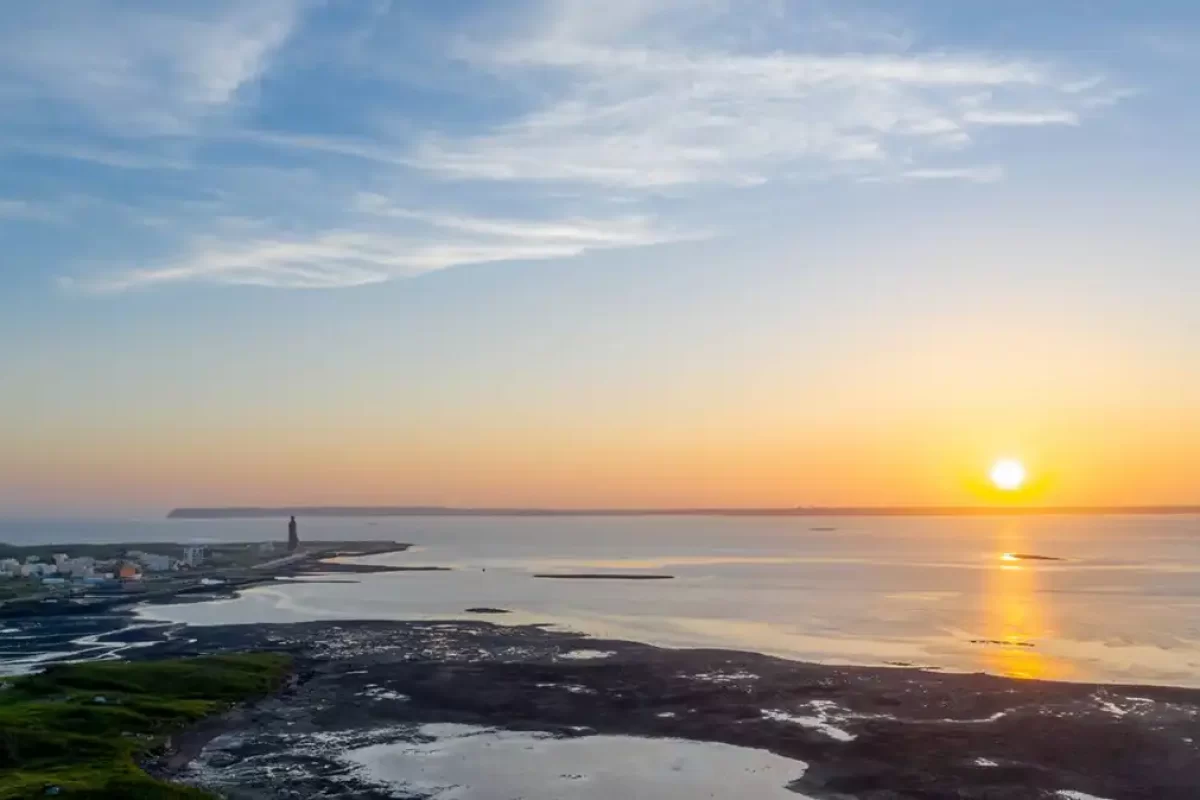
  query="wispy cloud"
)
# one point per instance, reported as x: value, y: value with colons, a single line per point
x: 362, y: 255
x: 984, y: 174
x: 117, y: 158
x: 631, y: 231
x: 381, y: 152
x: 140, y: 69
x: 1021, y: 119
x: 652, y: 102
x: 636, y: 110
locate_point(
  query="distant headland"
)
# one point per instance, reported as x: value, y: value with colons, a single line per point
x: 250, y: 512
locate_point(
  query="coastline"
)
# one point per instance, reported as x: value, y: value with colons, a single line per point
x: 869, y: 733
x: 863, y: 732
x: 112, y: 629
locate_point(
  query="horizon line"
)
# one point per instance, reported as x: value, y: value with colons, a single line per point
x: 236, y: 512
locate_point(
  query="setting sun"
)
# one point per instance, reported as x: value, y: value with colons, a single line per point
x: 1008, y: 474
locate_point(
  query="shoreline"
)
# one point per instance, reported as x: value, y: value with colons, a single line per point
x: 125, y: 625
x: 135, y: 631
x: 99, y: 628
x: 492, y: 617
x: 865, y: 732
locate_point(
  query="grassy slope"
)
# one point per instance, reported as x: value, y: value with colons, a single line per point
x: 53, y: 732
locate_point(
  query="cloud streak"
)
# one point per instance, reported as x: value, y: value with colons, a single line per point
x: 144, y: 70
x: 630, y: 115
x: 1021, y: 119
x: 349, y: 257
x: 617, y: 232
x: 652, y: 103
x: 984, y: 174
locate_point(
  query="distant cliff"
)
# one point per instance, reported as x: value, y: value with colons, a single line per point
x: 251, y: 512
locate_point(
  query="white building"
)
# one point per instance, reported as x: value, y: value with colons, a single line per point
x: 193, y: 555
x: 36, y: 570
x: 10, y: 567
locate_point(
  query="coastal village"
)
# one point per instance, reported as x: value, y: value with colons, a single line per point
x: 89, y: 571
x: 82, y: 571
x: 74, y: 578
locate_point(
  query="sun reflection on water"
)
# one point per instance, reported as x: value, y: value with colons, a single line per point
x: 1017, y: 620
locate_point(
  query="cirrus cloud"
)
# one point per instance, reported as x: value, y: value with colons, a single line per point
x: 191, y: 115
x: 632, y: 111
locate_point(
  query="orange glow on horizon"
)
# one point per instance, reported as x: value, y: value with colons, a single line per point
x: 731, y: 459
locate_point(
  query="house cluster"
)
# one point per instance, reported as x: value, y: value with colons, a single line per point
x: 62, y: 568
x: 87, y: 570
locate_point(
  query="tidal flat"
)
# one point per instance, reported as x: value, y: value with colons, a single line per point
x: 368, y: 717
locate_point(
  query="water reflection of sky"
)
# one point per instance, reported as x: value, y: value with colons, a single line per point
x: 465, y: 763
x: 1121, y: 606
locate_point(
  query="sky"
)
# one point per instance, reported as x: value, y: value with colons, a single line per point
x: 640, y: 253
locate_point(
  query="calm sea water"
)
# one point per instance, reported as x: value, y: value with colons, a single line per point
x: 1122, y: 605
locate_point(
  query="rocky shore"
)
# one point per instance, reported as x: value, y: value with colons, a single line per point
x: 855, y: 733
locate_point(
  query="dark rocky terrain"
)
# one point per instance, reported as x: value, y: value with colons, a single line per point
x: 866, y: 733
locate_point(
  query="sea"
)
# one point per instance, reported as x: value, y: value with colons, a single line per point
x: 1112, y: 599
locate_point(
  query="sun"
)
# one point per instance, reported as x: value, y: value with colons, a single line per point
x: 1008, y: 474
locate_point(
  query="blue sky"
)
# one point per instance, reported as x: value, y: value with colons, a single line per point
x: 571, y: 201
x: 327, y: 145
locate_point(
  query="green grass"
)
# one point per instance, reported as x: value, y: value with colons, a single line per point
x: 53, y: 732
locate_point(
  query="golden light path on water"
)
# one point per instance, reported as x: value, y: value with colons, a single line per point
x: 1018, y: 620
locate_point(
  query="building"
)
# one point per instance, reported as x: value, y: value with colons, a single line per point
x: 156, y: 563
x: 10, y: 567
x: 128, y: 572
x: 193, y: 555
x: 153, y: 562
x: 81, y: 567
x: 59, y: 558
x: 37, y: 570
